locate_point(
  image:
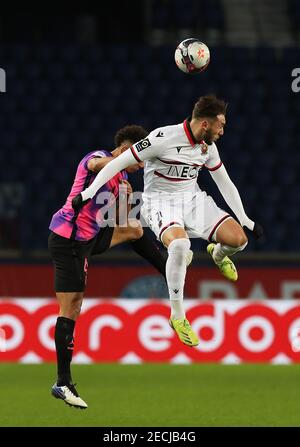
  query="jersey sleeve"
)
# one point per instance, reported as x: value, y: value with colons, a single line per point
x: 95, y: 154
x: 214, y: 162
x: 148, y: 148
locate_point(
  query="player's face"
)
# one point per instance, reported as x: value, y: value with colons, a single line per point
x: 132, y: 168
x: 215, y: 129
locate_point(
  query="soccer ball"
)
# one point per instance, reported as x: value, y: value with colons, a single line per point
x: 192, y: 56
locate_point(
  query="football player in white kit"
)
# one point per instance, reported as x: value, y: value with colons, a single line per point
x: 174, y: 206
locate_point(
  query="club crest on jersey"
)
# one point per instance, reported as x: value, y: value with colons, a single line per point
x: 143, y: 145
x: 204, y: 148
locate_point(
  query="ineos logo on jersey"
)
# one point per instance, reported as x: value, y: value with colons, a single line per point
x: 143, y: 145
x: 188, y: 172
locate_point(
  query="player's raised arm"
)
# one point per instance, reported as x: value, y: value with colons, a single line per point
x: 138, y: 152
x: 107, y: 172
x: 232, y: 197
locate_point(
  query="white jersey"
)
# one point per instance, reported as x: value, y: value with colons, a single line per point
x: 173, y: 159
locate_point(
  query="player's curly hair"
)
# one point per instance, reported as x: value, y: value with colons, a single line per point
x: 130, y: 133
x: 209, y: 106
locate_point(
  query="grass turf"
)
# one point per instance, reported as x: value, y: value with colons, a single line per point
x: 154, y: 395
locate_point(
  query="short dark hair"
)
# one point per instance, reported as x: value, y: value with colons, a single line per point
x: 130, y: 133
x: 209, y: 106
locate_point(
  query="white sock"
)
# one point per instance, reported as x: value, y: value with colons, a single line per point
x: 220, y: 251
x: 175, y: 273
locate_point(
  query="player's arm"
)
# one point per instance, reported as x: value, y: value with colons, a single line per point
x: 123, y: 205
x: 97, y: 163
x: 229, y: 191
x: 107, y: 172
x: 143, y: 150
x: 232, y: 197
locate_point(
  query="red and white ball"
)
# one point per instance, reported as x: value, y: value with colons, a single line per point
x: 192, y: 56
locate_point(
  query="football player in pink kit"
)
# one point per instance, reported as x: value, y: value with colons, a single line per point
x: 76, y: 236
x: 175, y: 208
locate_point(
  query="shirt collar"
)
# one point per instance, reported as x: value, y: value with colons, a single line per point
x: 188, y: 132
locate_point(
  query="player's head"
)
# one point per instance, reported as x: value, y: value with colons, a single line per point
x: 126, y: 137
x: 210, y: 112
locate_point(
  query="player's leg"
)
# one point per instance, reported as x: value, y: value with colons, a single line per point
x: 69, y: 310
x: 110, y: 236
x: 209, y: 222
x: 225, y: 234
x: 141, y: 244
x: 70, y: 261
x: 151, y: 253
x: 164, y: 218
x: 178, y: 244
x: 132, y: 232
x: 230, y: 238
x: 148, y: 250
x: 138, y: 240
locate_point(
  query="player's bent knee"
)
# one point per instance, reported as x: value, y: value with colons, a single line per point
x: 139, y: 232
x: 179, y: 245
x: 136, y: 233
x: 241, y: 240
x: 135, y: 229
x: 236, y: 239
x: 172, y: 234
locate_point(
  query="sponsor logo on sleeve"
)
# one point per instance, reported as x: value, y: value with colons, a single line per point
x: 142, y: 145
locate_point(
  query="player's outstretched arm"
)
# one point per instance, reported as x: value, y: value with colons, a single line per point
x: 103, y: 176
x: 98, y: 162
x: 232, y: 197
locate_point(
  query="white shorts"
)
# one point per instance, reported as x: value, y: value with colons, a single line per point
x: 198, y: 214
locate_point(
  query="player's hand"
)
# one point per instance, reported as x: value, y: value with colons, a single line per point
x: 78, y: 203
x: 128, y: 185
x: 257, y: 232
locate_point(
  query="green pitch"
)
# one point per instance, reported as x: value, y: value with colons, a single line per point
x: 154, y: 395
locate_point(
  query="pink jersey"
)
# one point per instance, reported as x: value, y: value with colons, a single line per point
x: 86, y: 224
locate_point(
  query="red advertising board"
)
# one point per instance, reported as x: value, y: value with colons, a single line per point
x: 134, y: 331
x: 140, y: 281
